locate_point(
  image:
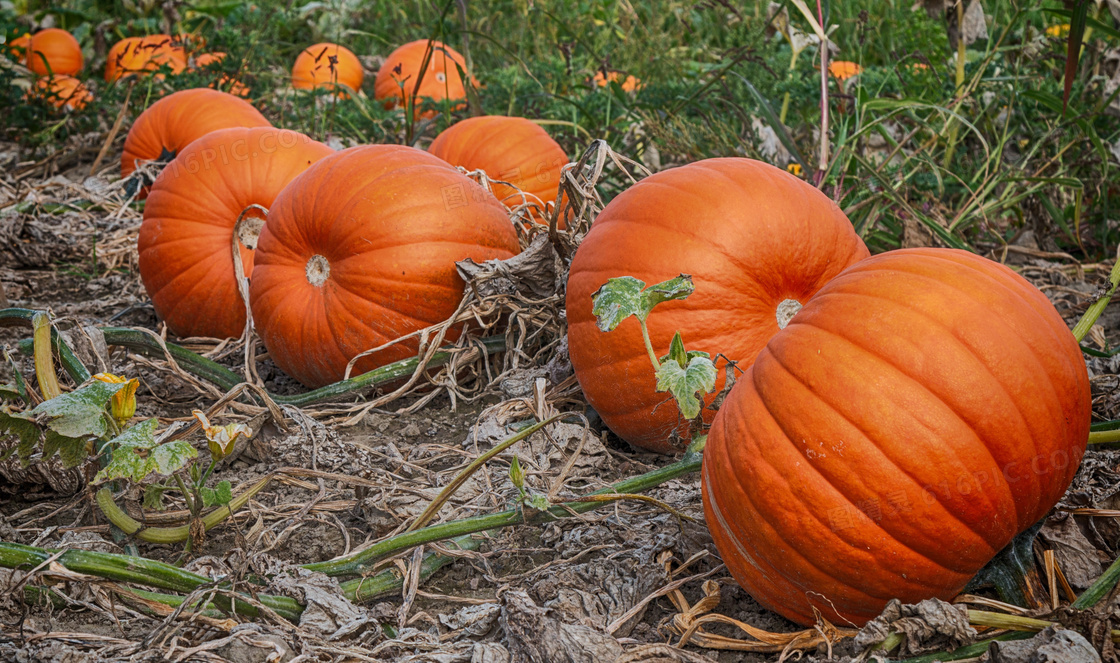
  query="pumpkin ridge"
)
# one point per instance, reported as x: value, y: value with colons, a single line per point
x: 759, y: 561
x: 216, y: 264
x: 796, y: 548
x: 1025, y: 350
x: 872, y: 446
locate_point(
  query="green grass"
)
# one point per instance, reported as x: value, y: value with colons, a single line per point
x: 975, y: 164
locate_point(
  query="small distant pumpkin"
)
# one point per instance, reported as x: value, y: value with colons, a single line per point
x: 175, y: 121
x: 53, y: 51
x: 512, y: 149
x: 61, y: 92
x: 843, y: 70
x: 141, y: 56
x: 628, y: 84
x: 17, y: 47
x: 225, y: 83
x: 325, y: 66
x: 186, y: 239
x: 397, y: 79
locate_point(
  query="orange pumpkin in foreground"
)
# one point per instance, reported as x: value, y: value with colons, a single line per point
x: 361, y: 250
x: 325, y: 65
x: 61, y: 92
x: 922, y: 409
x: 173, y: 122
x: 397, y: 78
x: 185, y: 245
x: 512, y: 149
x: 751, y: 235
x: 53, y: 51
x: 141, y: 56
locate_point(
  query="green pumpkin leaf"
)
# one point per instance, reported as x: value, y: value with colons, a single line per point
x: 78, y: 413
x: 136, y: 455
x: 684, y: 383
x: 224, y: 492
x: 220, y: 494
x: 624, y: 296
x: 22, y: 426
x: 537, y: 502
x: 71, y: 450
x: 153, y: 496
x: 675, y: 288
x: 618, y: 299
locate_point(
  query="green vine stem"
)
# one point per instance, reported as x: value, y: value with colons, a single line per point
x: 461, y: 478
x: 223, y: 377
x: 358, y: 562
x: 132, y: 527
x: 1081, y: 329
x: 1099, y: 589
x: 22, y: 317
x: 139, y: 570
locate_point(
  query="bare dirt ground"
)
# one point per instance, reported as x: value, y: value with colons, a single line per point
x: 587, y: 588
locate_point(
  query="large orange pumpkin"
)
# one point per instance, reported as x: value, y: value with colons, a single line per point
x: 186, y: 256
x: 512, y: 149
x: 361, y: 250
x: 142, y: 56
x: 53, y: 51
x: 397, y: 78
x: 923, y: 408
x: 61, y: 92
x: 325, y: 65
x: 171, y: 123
x: 751, y: 235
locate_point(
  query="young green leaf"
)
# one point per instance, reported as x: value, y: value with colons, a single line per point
x: 618, y: 299
x: 209, y: 496
x: 153, y: 497
x: 684, y: 383
x: 78, y: 413
x: 537, y: 502
x: 516, y: 475
x: 676, y: 351
x: 224, y: 492
x: 136, y: 454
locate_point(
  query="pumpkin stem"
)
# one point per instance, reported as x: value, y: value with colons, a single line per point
x: 318, y: 270
x: 248, y: 228
x: 786, y: 310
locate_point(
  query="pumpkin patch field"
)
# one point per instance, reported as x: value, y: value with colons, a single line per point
x: 560, y: 331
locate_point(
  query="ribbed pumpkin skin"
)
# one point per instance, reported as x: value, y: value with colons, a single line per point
x: 186, y: 262
x: 512, y: 149
x: 178, y: 119
x: 144, y: 55
x: 441, y: 80
x: 313, y: 68
x: 391, y: 221
x: 59, y: 48
x: 921, y: 410
x: 751, y: 235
